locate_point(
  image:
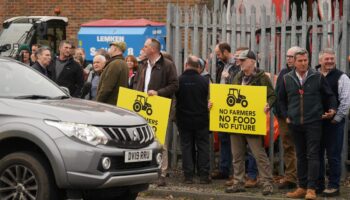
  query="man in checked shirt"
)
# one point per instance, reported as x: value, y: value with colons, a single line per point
x: 333, y: 129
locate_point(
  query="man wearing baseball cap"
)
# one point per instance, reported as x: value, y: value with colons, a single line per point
x: 250, y: 75
x: 114, y: 75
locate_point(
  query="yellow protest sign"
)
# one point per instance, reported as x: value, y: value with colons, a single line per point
x: 238, y: 109
x: 154, y: 109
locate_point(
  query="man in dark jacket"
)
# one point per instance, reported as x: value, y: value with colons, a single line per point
x: 290, y: 178
x: 43, y: 55
x: 114, y: 75
x: 226, y: 68
x: 65, y: 71
x: 193, y: 120
x: 225, y: 72
x: 157, y: 76
x: 333, y: 128
x: 301, y: 98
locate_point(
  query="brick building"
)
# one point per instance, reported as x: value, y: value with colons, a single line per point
x: 82, y: 11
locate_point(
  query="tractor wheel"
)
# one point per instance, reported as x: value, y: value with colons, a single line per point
x: 137, y: 107
x: 149, y: 111
x: 244, y: 103
x: 230, y: 101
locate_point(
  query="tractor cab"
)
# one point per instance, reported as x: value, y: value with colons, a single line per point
x: 43, y: 30
x: 236, y: 93
x: 141, y: 99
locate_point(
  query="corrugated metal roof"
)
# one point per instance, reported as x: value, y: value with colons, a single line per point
x: 112, y: 30
x: 122, y: 23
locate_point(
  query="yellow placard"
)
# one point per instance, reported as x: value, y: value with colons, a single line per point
x: 238, y: 109
x: 154, y: 109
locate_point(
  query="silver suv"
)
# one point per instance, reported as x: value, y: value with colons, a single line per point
x: 53, y: 146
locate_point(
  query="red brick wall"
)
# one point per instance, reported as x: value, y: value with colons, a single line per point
x: 81, y: 11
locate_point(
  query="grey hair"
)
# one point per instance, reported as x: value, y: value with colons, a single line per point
x: 293, y: 48
x: 101, y: 57
x: 41, y: 50
x: 324, y: 51
x: 300, y: 51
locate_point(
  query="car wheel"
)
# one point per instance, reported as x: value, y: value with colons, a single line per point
x: 25, y: 175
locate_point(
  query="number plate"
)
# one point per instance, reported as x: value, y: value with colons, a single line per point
x: 138, y: 156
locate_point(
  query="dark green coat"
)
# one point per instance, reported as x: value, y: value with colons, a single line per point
x: 258, y: 79
x: 114, y: 75
x: 303, y: 104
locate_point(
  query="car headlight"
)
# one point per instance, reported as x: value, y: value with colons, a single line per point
x: 84, y: 132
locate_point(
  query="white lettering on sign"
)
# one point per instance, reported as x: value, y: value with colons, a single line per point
x: 104, y: 38
x: 157, y: 32
x: 93, y: 50
x: 130, y: 51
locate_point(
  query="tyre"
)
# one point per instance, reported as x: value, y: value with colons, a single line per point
x: 149, y: 111
x: 230, y: 101
x: 26, y: 175
x: 137, y: 107
x: 244, y: 103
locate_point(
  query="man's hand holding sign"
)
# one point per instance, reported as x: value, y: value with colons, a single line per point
x: 240, y: 108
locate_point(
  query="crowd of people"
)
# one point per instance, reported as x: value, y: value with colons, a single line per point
x: 310, y: 103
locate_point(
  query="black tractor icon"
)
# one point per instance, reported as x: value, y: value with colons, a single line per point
x: 234, y: 97
x: 141, y: 103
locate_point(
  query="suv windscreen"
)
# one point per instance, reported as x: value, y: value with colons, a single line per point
x: 19, y: 81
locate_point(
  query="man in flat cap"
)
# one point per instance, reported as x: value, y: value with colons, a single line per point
x: 114, y: 75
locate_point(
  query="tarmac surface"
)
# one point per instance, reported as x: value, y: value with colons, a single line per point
x: 177, y: 190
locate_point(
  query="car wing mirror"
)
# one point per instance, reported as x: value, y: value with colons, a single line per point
x: 5, y: 47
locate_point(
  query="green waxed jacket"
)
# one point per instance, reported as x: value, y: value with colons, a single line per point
x: 258, y: 79
x: 114, y: 75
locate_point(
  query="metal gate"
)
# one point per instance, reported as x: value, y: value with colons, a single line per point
x: 196, y: 30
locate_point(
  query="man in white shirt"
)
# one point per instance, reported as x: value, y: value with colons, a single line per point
x: 157, y: 76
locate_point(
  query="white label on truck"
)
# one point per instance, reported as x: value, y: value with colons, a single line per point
x: 106, y: 38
